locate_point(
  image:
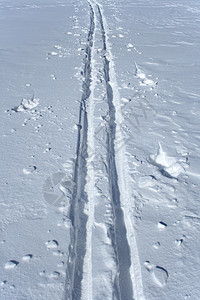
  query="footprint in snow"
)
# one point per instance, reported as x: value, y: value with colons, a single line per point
x: 53, y: 275
x: 29, y: 170
x: 161, y: 225
x: 158, y: 274
x: 58, y: 253
x: 27, y: 257
x: 3, y: 282
x: 61, y: 264
x: 156, y: 245
x: 52, y: 244
x: 11, y: 264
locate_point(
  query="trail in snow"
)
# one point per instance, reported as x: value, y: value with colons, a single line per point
x: 121, y: 166
x: 78, y: 217
x: 120, y: 234
x: 125, y: 281
x: 159, y: 99
x: 89, y: 187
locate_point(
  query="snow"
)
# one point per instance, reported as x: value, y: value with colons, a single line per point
x: 168, y: 165
x: 26, y: 104
x: 100, y: 149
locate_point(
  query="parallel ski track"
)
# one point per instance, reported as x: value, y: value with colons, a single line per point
x: 129, y: 268
x: 79, y: 219
x: 119, y: 237
x: 128, y: 282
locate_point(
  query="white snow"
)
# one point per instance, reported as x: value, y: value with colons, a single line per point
x: 11, y: 264
x: 166, y: 163
x: 100, y: 156
x: 26, y: 104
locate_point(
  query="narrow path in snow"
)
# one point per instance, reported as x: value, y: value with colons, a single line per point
x: 120, y: 242
x: 79, y: 219
x: 103, y: 257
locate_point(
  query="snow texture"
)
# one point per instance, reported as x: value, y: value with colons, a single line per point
x: 100, y: 156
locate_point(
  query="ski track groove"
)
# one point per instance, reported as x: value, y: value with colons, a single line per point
x: 121, y: 165
x: 77, y: 247
x: 89, y: 187
x: 119, y: 240
x: 128, y: 282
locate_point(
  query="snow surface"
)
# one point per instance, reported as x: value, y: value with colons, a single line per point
x: 100, y: 149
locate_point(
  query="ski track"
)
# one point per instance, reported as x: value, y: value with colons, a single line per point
x: 79, y: 219
x: 127, y: 283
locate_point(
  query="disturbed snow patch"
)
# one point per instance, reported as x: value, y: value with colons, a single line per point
x: 141, y: 75
x: 159, y: 274
x: 168, y: 165
x: 26, y: 104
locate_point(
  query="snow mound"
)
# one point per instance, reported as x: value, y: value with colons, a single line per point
x: 26, y: 104
x: 169, y: 166
x: 144, y: 80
